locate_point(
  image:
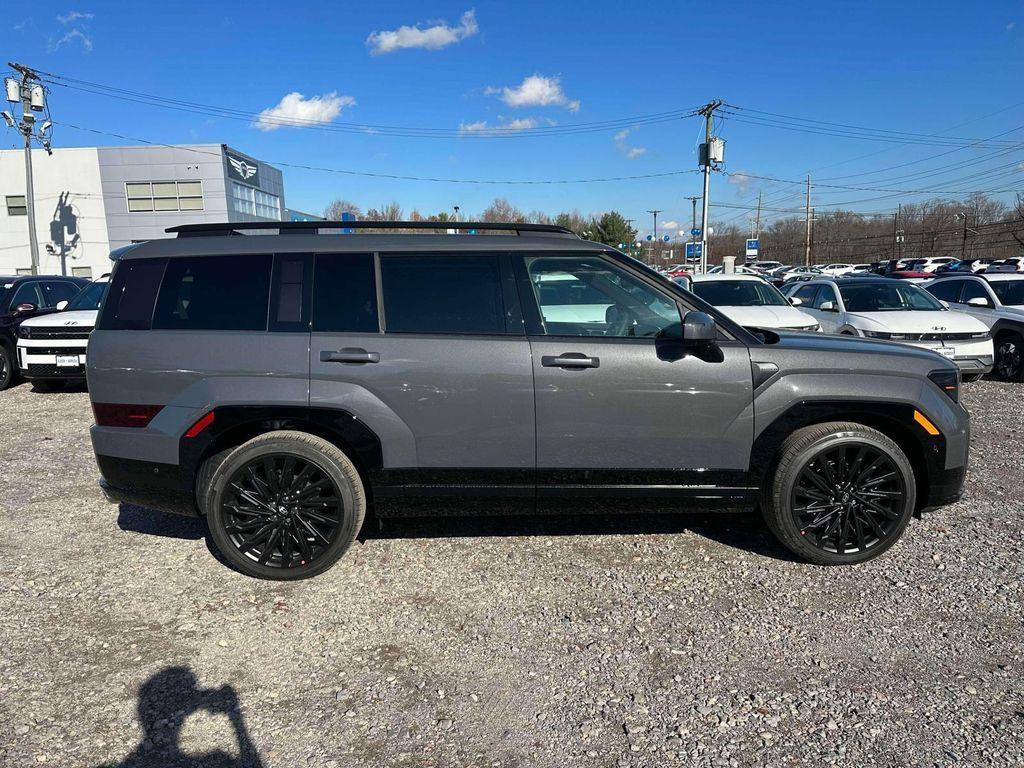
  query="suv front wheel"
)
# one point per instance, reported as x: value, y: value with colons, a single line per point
x: 842, y: 493
x: 285, y: 505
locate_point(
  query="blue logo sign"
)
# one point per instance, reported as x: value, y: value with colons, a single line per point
x: 666, y: 238
x: 694, y: 250
x: 753, y: 246
x: 650, y: 237
x: 695, y: 231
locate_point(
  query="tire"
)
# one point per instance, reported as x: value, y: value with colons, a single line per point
x: 275, y: 522
x: 1009, y: 363
x: 831, y: 450
x: 8, y: 368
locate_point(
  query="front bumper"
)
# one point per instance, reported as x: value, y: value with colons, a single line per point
x: 41, y: 359
x: 970, y: 355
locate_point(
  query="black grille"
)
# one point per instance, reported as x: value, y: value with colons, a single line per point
x: 56, y: 371
x: 77, y: 332
x: 54, y: 350
x: 946, y: 336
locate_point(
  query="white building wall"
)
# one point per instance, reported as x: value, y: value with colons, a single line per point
x: 69, y: 202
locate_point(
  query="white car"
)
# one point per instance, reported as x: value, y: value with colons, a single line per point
x: 883, y: 308
x: 763, y: 266
x: 51, y: 348
x: 740, y: 270
x: 997, y: 301
x: 1006, y: 265
x: 752, y: 302
x: 837, y: 269
x: 932, y: 264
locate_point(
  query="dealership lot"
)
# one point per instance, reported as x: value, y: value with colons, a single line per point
x: 690, y: 640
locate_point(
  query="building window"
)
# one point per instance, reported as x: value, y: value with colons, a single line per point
x: 16, y: 205
x: 163, y: 196
x: 255, y: 202
x: 82, y: 272
x: 23, y: 271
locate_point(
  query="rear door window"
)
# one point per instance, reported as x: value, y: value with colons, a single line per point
x: 443, y: 294
x: 345, y: 293
x: 56, y: 291
x: 27, y: 293
x: 215, y: 293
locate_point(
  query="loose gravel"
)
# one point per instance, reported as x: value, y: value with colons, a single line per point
x: 643, y: 641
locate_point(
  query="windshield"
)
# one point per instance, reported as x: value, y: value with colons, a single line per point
x: 887, y: 297
x: 89, y: 297
x: 739, y: 293
x: 1009, y: 292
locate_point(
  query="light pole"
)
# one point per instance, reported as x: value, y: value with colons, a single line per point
x: 30, y: 92
x: 654, y: 240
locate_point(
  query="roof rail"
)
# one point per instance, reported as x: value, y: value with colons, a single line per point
x: 314, y: 227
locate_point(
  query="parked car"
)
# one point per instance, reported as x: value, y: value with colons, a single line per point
x: 909, y: 274
x: 934, y: 263
x: 998, y: 302
x: 23, y: 297
x: 836, y: 269
x: 881, y: 308
x: 752, y: 302
x: 1006, y: 265
x: 763, y: 266
x: 684, y: 280
x: 52, y: 347
x: 738, y: 270
x: 427, y: 373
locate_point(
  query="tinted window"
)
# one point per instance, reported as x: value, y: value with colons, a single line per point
x: 806, y: 294
x: 129, y: 302
x: 89, y: 297
x: 27, y: 293
x: 442, y: 294
x: 947, y: 290
x: 222, y: 293
x: 739, y: 293
x: 289, y: 298
x: 345, y: 294
x: 57, y: 291
x: 974, y: 290
x: 887, y: 297
x: 1010, y: 292
x: 825, y: 293
x: 588, y: 296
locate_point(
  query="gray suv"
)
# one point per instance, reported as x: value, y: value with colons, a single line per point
x: 285, y: 383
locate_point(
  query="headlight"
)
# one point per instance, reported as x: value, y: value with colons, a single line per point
x: 983, y: 335
x: 24, y: 332
x: 878, y: 334
x: 814, y: 327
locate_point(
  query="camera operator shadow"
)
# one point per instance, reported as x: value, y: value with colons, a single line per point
x: 166, y: 700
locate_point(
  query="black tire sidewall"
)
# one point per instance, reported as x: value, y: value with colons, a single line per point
x: 786, y: 523
x: 9, y: 372
x: 1019, y: 341
x: 278, y: 446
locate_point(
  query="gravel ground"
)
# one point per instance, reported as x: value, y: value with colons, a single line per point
x: 663, y: 640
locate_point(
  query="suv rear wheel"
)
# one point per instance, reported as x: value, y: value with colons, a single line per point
x: 1009, y: 357
x: 285, y: 505
x: 842, y: 493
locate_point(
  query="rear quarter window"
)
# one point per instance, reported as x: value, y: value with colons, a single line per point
x: 214, y: 293
x: 129, y: 302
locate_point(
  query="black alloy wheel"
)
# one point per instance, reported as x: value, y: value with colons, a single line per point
x: 1009, y: 358
x: 282, y: 510
x: 848, y: 498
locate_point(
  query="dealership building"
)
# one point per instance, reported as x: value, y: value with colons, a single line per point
x: 90, y: 200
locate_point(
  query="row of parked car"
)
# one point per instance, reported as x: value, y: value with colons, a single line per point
x: 976, y: 321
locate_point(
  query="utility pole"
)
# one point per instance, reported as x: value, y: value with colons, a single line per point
x: 807, y: 242
x: 30, y: 93
x: 708, y: 156
x: 629, y: 229
x: 757, y: 221
x: 654, y: 240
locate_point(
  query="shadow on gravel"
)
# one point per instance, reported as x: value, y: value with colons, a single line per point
x: 153, y: 523
x: 743, y: 531
x: 166, y: 701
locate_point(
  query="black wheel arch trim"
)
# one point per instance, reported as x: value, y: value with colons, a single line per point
x: 1013, y: 326
x: 927, y: 454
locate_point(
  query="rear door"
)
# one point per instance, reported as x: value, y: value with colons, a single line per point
x: 615, y: 414
x: 428, y: 349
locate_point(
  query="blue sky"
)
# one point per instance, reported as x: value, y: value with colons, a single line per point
x: 921, y: 68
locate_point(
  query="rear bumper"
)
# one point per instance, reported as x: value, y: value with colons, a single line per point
x: 163, y: 487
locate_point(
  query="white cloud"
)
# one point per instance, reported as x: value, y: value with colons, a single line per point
x: 741, y: 181
x: 535, y: 91
x: 630, y: 153
x: 71, y: 16
x: 296, y: 111
x: 21, y: 25
x: 1010, y: 26
x: 511, y: 126
x: 71, y: 36
x: 670, y: 224
x: 431, y: 38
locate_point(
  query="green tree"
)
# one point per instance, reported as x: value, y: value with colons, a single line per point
x: 613, y: 229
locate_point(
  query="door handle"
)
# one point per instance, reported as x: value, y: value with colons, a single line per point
x: 349, y: 355
x: 570, y: 360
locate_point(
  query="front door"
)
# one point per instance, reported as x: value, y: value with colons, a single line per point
x: 432, y: 361
x: 615, y: 414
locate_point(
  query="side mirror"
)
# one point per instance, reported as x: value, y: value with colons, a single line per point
x: 979, y: 301
x: 795, y: 301
x: 21, y: 309
x: 699, y: 329
x: 61, y: 305
x: 827, y: 306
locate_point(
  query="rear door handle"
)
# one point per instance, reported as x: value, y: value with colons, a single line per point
x: 349, y: 355
x: 570, y: 360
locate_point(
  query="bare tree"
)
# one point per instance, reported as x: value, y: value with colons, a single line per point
x: 502, y: 211
x: 336, y: 208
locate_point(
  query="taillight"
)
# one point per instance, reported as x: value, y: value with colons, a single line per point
x: 948, y: 381
x: 124, y: 414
